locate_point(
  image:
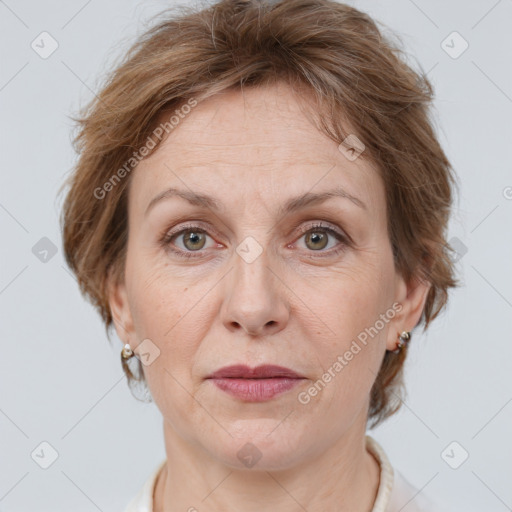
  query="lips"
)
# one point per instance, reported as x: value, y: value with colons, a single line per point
x: 255, y: 384
x: 267, y: 371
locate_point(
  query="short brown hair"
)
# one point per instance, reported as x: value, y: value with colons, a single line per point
x: 355, y: 74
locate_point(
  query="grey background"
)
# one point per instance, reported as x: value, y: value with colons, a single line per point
x: 60, y: 380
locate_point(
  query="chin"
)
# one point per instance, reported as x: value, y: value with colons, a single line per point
x: 258, y: 445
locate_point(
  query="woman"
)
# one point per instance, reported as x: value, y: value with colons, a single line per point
x: 259, y: 209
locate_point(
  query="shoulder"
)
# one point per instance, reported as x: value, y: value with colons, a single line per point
x: 143, y: 500
x: 395, y: 492
x: 405, y: 494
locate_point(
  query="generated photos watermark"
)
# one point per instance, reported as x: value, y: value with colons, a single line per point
x: 137, y: 156
x: 304, y: 397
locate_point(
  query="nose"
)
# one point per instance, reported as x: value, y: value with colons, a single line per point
x: 254, y: 298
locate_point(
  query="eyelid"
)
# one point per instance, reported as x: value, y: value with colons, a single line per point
x: 326, y: 225
x: 343, y: 239
x: 168, y: 234
x: 319, y: 224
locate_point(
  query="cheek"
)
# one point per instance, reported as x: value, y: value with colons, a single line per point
x: 168, y: 310
x: 355, y: 296
x: 357, y: 312
x: 155, y: 294
x: 163, y: 311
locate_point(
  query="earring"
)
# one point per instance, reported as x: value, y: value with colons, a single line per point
x: 403, y: 340
x: 127, y: 352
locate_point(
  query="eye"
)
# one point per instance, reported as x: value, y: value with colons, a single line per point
x: 316, y: 239
x: 193, y: 240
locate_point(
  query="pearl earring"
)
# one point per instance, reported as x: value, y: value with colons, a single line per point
x: 127, y: 352
x: 403, y: 340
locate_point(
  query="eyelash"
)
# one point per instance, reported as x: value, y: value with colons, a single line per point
x: 167, y: 237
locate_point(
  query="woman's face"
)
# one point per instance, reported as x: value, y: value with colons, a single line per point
x: 249, y: 278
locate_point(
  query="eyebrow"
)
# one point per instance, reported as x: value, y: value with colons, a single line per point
x: 292, y: 205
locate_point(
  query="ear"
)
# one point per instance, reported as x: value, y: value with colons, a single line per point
x: 120, y: 310
x: 412, y: 297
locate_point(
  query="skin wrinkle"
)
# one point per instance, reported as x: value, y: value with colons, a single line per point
x: 217, y: 309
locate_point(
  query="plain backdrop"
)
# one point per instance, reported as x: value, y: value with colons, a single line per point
x: 61, y: 381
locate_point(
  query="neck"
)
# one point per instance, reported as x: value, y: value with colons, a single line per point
x: 344, y: 478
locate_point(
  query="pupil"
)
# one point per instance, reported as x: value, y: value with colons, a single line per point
x: 194, y: 238
x: 316, y: 238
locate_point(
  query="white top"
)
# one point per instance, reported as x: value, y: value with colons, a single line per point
x: 392, y: 496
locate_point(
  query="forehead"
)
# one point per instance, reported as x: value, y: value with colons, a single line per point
x: 249, y: 143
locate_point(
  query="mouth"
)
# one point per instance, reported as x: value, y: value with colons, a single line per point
x: 255, y: 384
x: 266, y: 371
